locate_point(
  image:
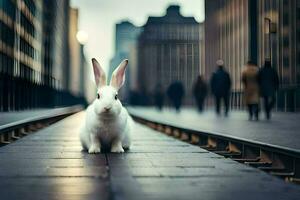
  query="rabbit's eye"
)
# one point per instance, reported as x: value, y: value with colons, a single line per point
x: 116, y: 96
x: 98, y: 96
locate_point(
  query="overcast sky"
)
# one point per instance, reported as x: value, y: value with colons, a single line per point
x: 98, y: 19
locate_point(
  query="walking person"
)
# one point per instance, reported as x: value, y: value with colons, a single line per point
x: 175, y: 93
x: 200, y: 92
x: 159, y: 97
x: 251, y: 89
x: 220, y: 86
x: 269, y: 84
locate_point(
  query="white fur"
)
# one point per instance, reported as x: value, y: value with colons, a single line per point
x: 107, y: 128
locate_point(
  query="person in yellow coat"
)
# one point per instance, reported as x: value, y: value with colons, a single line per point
x: 251, y: 89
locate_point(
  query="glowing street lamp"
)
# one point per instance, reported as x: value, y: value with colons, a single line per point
x: 82, y: 37
x: 270, y: 29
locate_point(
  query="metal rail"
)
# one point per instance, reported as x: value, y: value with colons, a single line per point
x: 276, y: 160
x: 15, y: 130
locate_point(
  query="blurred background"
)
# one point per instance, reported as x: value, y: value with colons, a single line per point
x: 46, y: 47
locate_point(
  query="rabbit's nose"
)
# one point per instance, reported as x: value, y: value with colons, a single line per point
x: 107, y: 108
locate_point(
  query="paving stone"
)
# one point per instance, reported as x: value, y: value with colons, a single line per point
x: 282, y: 129
x: 50, y: 164
x: 182, y: 171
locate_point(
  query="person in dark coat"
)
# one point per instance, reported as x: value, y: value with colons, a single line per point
x: 175, y: 93
x: 220, y: 86
x: 269, y: 83
x: 159, y: 96
x: 200, y: 92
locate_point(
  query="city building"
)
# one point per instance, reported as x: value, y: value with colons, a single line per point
x: 21, y: 47
x: 125, y: 48
x: 80, y: 84
x: 279, y: 40
x: 34, y: 55
x: 168, y: 51
x: 75, y: 53
x: 241, y: 30
x: 227, y: 37
x: 56, y: 46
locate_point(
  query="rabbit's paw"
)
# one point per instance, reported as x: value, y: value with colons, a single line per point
x: 94, y: 149
x: 117, y: 149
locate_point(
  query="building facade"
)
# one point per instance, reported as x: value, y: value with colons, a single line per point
x: 56, y: 46
x: 34, y: 65
x: 20, y: 53
x: 281, y: 44
x: 125, y: 48
x: 241, y: 30
x: 168, y: 51
x: 75, y: 54
x: 227, y: 37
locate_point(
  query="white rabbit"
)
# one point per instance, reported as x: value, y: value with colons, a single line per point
x: 107, y: 122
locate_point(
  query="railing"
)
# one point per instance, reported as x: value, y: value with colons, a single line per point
x: 287, y: 99
x: 18, y: 93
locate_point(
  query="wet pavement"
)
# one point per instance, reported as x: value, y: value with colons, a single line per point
x: 282, y: 130
x: 17, y: 116
x: 50, y: 164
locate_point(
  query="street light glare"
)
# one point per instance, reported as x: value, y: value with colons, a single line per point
x: 82, y: 37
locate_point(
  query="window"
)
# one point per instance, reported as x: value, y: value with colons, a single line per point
x: 7, y: 35
x: 26, y: 24
x: 286, y: 18
x: 1, y: 65
x: 286, y: 41
x: 31, y: 6
x: 8, y: 64
x: 286, y: 62
x: 9, y: 8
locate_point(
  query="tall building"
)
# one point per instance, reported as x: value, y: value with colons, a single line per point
x: 227, y: 37
x: 56, y: 47
x: 279, y: 39
x: 80, y: 84
x: 169, y: 50
x: 75, y: 53
x: 125, y: 47
x: 20, y: 53
x: 34, y: 54
x: 241, y: 30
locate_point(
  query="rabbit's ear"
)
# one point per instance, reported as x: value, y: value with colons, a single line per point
x: 99, y: 74
x: 118, y: 76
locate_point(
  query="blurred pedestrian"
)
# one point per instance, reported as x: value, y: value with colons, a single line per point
x: 251, y: 89
x: 159, y: 96
x: 269, y: 83
x: 175, y: 93
x: 200, y: 92
x: 220, y: 86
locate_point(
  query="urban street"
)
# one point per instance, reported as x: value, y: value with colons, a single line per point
x: 138, y: 99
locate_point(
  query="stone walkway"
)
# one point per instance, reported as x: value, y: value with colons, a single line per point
x: 49, y: 164
x: 282, y: 130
